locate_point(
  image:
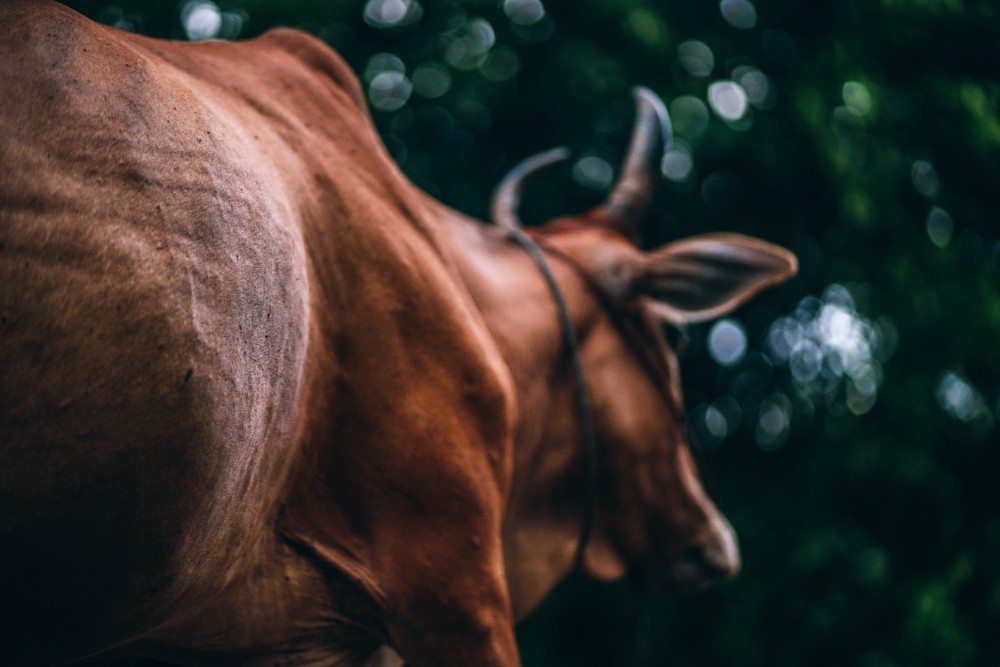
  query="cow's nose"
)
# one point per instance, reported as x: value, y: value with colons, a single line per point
x: 720, y: 552
x: 716, y: 561
x: 713, y: 557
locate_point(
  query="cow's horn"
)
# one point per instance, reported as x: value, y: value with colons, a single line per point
x: 507, y: 198
x: 652, y: 137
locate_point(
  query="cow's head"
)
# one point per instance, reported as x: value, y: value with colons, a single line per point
x: 654, y: 520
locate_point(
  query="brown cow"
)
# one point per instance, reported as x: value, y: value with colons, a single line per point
x: 263, y: 402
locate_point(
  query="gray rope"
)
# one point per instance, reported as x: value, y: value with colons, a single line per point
x: 589, y: 434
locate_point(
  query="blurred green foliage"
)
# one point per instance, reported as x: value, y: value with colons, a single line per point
x: 868, y: 141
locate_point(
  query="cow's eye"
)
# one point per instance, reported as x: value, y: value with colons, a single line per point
x: 677, y: 337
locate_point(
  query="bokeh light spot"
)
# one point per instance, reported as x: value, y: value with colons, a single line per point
x: 857, y: 98
x: 925, y: 179
x: 501, y: 64
x: 677, y: 164
x: 755, y: 84
x: 739, y: 13
x: 696, y: 58
x: 959, y: 398
x: 471, y: 47
x: 689, y: 116
x: 646, y: 26
x: 940, y: 227
x: 593, y: 172
x: 716, y: 422
x: 392, y: 13
x: 482, y: 35
x: 833, y: 352
x: 431, y: 80
x: 727, y: 342
x: 773, y: 422
x: 202, y: 20
x: 383, y: 62
x: 524, y: 12
x: 389, y: 91
x: 728, y: 99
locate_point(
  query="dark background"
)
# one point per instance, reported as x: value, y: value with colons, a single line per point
x: 849, y: 416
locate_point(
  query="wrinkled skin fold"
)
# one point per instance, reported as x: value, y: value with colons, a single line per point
x: 263, y: 402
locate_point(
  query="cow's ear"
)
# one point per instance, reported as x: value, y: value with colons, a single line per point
x: 705, y: 277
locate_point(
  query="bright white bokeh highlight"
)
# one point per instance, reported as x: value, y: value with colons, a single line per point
x: 833, y: 352
x: 727, y: 342
x: 728, y: 99
x: 202, y: 20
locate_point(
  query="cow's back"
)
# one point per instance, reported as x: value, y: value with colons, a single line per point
x: 153, y: 323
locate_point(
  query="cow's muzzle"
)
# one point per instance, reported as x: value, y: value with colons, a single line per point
x: 713, y: 557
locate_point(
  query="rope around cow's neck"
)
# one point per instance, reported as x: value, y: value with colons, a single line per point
x: 588, y: 432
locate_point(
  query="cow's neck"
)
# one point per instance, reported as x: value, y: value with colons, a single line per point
x: 519, y: 311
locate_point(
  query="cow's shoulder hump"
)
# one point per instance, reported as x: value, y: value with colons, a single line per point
x: 319, y: 58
